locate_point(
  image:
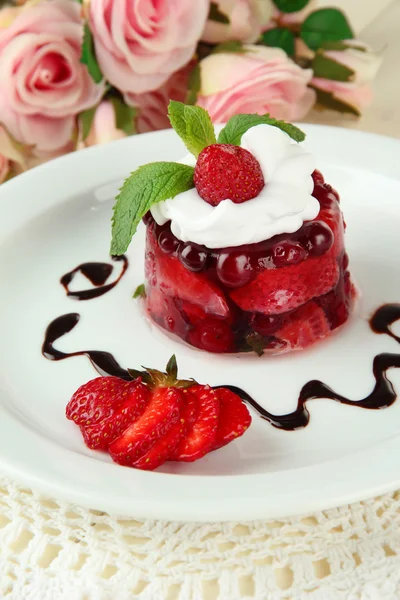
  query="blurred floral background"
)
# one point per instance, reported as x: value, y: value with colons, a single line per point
x: 75, y: 74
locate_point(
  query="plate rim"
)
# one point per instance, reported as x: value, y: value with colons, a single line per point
x: 256, y: 501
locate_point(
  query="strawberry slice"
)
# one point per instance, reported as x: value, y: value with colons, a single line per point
x: 166, y: 446
x: 162, y: 412
x: 177, y: 281
x: 127, y: 407
x: 234, y: 418
x: 202, y: 435
x: 307, y: 325
x: 276, y: 291
x: 94, y: 401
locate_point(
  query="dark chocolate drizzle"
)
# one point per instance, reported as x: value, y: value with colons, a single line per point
x: 97, y: 273
x: 103, y: 362
x: 383, y: 394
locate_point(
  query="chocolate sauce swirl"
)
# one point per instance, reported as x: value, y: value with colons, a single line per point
x: 97, y: 273
x: 383, y: 394
x: 103, y: 362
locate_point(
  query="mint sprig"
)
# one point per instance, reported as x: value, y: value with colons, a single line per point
x: 144, y: 187
x: 193, y: 125
x: 238, y: 125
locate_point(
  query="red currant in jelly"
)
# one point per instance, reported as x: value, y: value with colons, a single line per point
x: 213, y: 335
x: 266, y: 324
x: 345, y: 261
x: 288, y: 253
x: 317, y: 237
x: 168, y: 242
x: 234, y: 269
x: 192, y: 257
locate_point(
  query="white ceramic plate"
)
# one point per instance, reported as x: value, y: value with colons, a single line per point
x: 58, y: 215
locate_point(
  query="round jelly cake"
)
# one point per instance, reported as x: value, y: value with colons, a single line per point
x: 249, y: 256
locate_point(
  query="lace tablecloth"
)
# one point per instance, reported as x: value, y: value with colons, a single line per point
x: 50, y: 550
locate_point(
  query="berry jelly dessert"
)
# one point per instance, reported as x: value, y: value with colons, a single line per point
x: 246, y: 252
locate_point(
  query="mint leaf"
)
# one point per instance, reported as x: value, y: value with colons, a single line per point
x: 325, y: 25
x: 256, y: 342
x: 193, y: 125
x: 216, y: 15
x: 88, y: 56
x: 239, y: 124
x: 124, y: 115
x: 279, y: 37
x: 289, y: 6
x: 140, y: 292
x: 86, y: 119
x: 328, y: 100
x: 144, y: 187
x: 326, y: 67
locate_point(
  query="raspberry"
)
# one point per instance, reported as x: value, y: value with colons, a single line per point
x: 225, y: 171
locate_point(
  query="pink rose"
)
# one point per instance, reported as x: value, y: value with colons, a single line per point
x: 139, y: 43
x: 365, y: 64
x: 104, y: 126
x: 259, y: 81
x: 153, y: 106
x: 44, y: 85
x: 246, y: 21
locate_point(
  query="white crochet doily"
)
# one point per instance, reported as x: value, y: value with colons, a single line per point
x: 55, y: 551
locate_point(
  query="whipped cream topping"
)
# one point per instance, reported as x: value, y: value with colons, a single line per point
x: 282, y: 206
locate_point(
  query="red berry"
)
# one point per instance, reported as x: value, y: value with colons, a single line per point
x: 317, y: 177
x: 279, y: 290
x: 226, y: 171
x: 234, y: 269
x: 288, y: 253
x: 162, y: 412
x: 192, y: 257
x: 305, y: 326
x: 234, y: 418
x: 168, y: 242
x: 317, y: 237
x: 212, y: 335
x: 176, y: 281
x: 266, y: 324
x: 93, y: 401
x: 202, y: 436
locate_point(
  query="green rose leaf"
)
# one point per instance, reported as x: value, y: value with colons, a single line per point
x: 279, y: 37
x: 86, y: 119
x: 231, y: 47
x: 340, y: 45
x: 324, y: 25
x: 289, y: 6
x: 239, y: 124
x: 144, y: 187
x: 326, y: 67
x: 216, y: 15
x: 194, y: 85
x: 88, y: 56
x: 328, y: 100
x: 140, y: 292
x: 124, y: 115
x: 193, y: 125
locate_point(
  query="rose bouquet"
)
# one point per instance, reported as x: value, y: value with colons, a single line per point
x: 74, y: 74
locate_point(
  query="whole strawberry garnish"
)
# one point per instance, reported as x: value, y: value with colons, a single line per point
x: 226, y: 171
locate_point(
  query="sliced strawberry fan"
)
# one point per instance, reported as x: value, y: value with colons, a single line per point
x: 156, y: 417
